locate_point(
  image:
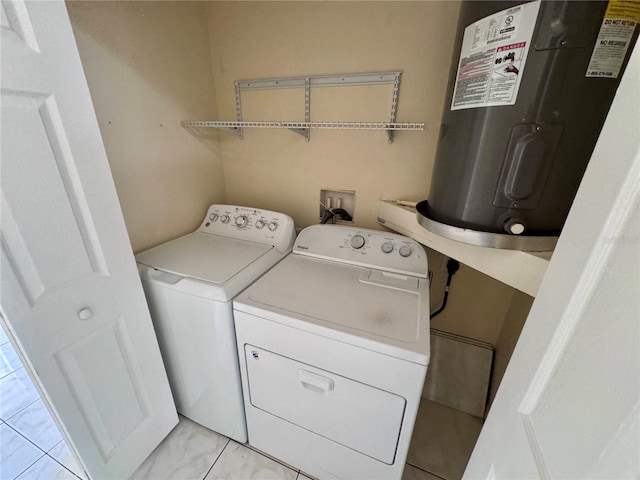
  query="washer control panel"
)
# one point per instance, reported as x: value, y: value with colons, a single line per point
x: 372, y: 248
x: 250, y: 224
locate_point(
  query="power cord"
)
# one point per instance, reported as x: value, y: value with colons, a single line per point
x: 452, y: 267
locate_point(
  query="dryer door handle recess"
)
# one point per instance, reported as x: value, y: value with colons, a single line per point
x: 314, y: 382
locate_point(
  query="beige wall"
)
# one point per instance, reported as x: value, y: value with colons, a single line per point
x: 277, y: 169
x: 148, y: 67
x: 514, y: 321
x: 152, y: 64
x: 477, y: 306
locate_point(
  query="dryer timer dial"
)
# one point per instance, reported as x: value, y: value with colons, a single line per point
x: 357, y: 241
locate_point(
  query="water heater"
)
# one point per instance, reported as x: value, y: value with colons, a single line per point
x: 529, y: 90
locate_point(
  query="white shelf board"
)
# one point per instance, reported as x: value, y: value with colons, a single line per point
x: 520, y: 270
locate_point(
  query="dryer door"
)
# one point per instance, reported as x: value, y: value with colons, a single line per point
x: 340, y: 409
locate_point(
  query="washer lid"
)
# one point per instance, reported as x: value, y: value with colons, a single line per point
x: 378, y: 310
x: 212, y: 258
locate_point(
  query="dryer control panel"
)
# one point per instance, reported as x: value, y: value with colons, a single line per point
x: 247, y: 223
x: 361, y: 246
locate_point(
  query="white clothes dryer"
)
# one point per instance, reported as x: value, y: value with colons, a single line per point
x: 189, y: 283
x: 334, y: 348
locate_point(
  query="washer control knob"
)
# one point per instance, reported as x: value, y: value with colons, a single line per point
x: 387, y: 247
x: 242, y: 221
x: 225, y: 219
x: 213, y: 217
x: 260, y: 224
x: 357, y: 241
x: 405, y: 251
x: 273, y: 226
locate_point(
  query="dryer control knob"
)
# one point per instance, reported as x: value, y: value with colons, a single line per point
x: 260, y: 224
x: 224, y: 218
x: 357, y: 241
x: 405, y: 251
x: 213, y: 217
x: 387, y: 247
x: 242, y: 221
x: 273, y: 226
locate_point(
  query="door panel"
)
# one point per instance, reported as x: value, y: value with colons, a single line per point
x: 341, y: 409
x: 16, y: 19
x: 70, y: 292
x: 33, y: 130
x: 117, y: 399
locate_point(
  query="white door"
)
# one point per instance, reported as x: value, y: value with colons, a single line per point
x: 70, y: 292
x: 568, y: 406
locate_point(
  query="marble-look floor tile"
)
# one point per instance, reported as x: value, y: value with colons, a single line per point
x: 238, y: 461
x: 3, y: 336
x: 16, y: 453
x: 35, y: 423
x: 16, y: 392
x: 47, y: 469
x: 443, y: 439
x: 459, y: 373
x: 277, y: 460
x: 9, y: 360
x: 63, y: 455
x: 187, y: 453
x: 414, y: 473
x: 302, y: 476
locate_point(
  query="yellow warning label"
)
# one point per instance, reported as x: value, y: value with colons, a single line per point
x: 614, y: 39
x: 623, y: 10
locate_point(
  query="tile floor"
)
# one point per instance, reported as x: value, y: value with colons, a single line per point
x: 447, y: 453
x: 32, y: 447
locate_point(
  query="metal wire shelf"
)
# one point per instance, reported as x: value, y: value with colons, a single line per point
x: 305, y: 125
x: 304, y: 128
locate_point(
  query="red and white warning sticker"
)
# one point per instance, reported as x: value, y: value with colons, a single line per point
x: 492, y: 58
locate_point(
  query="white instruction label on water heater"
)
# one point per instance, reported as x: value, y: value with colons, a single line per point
x: 492, y: 58
x: 613, y: 41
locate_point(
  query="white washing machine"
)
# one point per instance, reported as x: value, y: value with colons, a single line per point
x: 189, y: 283
x: 334, y: 347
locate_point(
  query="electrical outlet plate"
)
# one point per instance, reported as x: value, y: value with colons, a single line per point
x: 345, y: 199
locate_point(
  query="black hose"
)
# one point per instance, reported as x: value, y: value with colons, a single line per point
x: 326, y: 216
x: 333, y: 213
x: 452, y: 268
